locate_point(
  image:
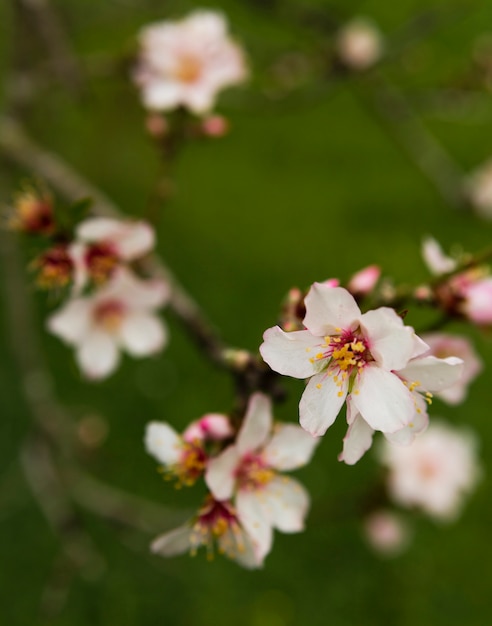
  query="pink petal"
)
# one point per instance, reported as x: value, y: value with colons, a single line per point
x: 220, y: 475
x: 289, y: 448
x: 357, y: 441
x: 289, y: 353
x: 328, y: 309
x: 320, y: 404
x: 257, y: 424
x: 163, y: 443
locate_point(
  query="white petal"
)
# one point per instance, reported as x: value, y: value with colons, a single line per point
x: 289, y: 448
x: 99, y: 228
x: 436, y: 260
x: 220, y: 474
x: 433, y: 374
x: 357, y: 441
x: 161, y: 96
x: 255, y: 521
x: 257, y: 424
x: 172, y: 543
x: 163, y: 443
x: 382, y: 399
x: 289, y: 353
x: 72, y: 322
x: 407, y: 434
x: 135, y: 240
x: 287, y: 502
x: 330, y: 308
x: 320, y: 404
x: 134, y: 292
x: 98, y: 355
x: 141, y: 334
x: 390, y: 342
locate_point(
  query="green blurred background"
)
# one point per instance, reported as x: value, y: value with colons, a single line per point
x: 308, y: 185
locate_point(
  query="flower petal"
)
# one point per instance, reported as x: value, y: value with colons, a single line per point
x: 98, y: 355
x: 72, y: 322
x: 357, y: 441
x: 434, y: 257
x: 382, y: 399
x: 287, y: 502
x: 407, y: 434
x: 330, y: 308
x: 163, y: 442
x: 135, y: 239
x: 172, y: 543
x: 433, y: 374
x: 257, y: 424
x: 255, y: 521
x: 142, y: 333
x: 220, y: 475
x: 289, y: 448
x: 320, y: 404
x: 289, y: 353
x: 390, y: 342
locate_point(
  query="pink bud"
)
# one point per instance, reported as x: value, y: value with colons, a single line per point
x: 215, y: 126
x: 331, y: 282
x: 386, y: 533
x: 212, y: 427
x: 157, y: 125
x: 365, y: 280
x: 478, y: 301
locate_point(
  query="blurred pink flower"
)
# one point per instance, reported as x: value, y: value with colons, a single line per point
x: 249, y: 469
x: 119, y: 316
x: 215, y: 522
x: 363, y: 282
x: 187, y: 62
x: 435, y: 472
x: 443, y: 345
x: 346, y: 354
x: 386, y: 532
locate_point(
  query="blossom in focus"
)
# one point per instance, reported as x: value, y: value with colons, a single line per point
x: 347, y: 354
x: 468, y: 293
x: 478, y: 188
x: 187, y: 62
x: 119, y: 316
x: 32, y: 212
x: 215, y: 523
x: 443, y: 345
x: 249, y: 469
x: 359, y: 44
x: 422, y: 376
x: 103, y: 243
x: 185, y: 457
x: 386, y: 532
x: 435, y: 473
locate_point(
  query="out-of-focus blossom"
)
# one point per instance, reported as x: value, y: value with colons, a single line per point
x: 443, y: 345
x: 386, y: 533
x: 185, y: 457
x: 435, y: 472
x: 32, y: 212
x: 468, y: 293
x: 250, y: 469
x: 119, y: 316
x: 363, y: 282
x: 103, y: 243
x: 54, y: 268
x: 215, y: 126
x: 347, y: 353
x: 359, y: 44
x: 478, y: 188
x: 422, y: 376
x: 215, y: 523
x: 188, y: 62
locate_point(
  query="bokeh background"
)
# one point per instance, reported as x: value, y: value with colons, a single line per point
x: 316, y: 179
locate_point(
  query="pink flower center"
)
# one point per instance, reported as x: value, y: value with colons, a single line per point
x: 55, y: 268
x: 109, y: 315
x: 253, y: 473
x: 346, y: 352
x: 101, y: 260
x: 217, y: 521
x: 192, y: 463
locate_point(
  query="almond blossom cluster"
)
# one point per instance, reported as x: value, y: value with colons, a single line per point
x: 249, y: 496
x: 371, y: 361
x: 186, y: 63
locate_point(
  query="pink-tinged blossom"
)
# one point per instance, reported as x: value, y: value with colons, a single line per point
x: 102, y: 244
x: 364, y: 281
x: 423, y: 377
x: 119, y: 316
x: 359, y: 44
x: 468, y: 293
x: 347, y: 354
x: 188, y: 62
x: 264, y: 498
x: 184, y: 457
x: 435, y: 473
x: 443, y: 345
x: 216, y: 523
x: 386, y: 533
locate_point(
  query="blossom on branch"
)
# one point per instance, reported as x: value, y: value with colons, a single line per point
x: 435, y: 473
x: 215, y: 523
x: 187, y: 62
x: 185, y: 457
x: 119, y: 316
x: 249, y: 470
x: 102, y: 244
x: 359, y: 44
